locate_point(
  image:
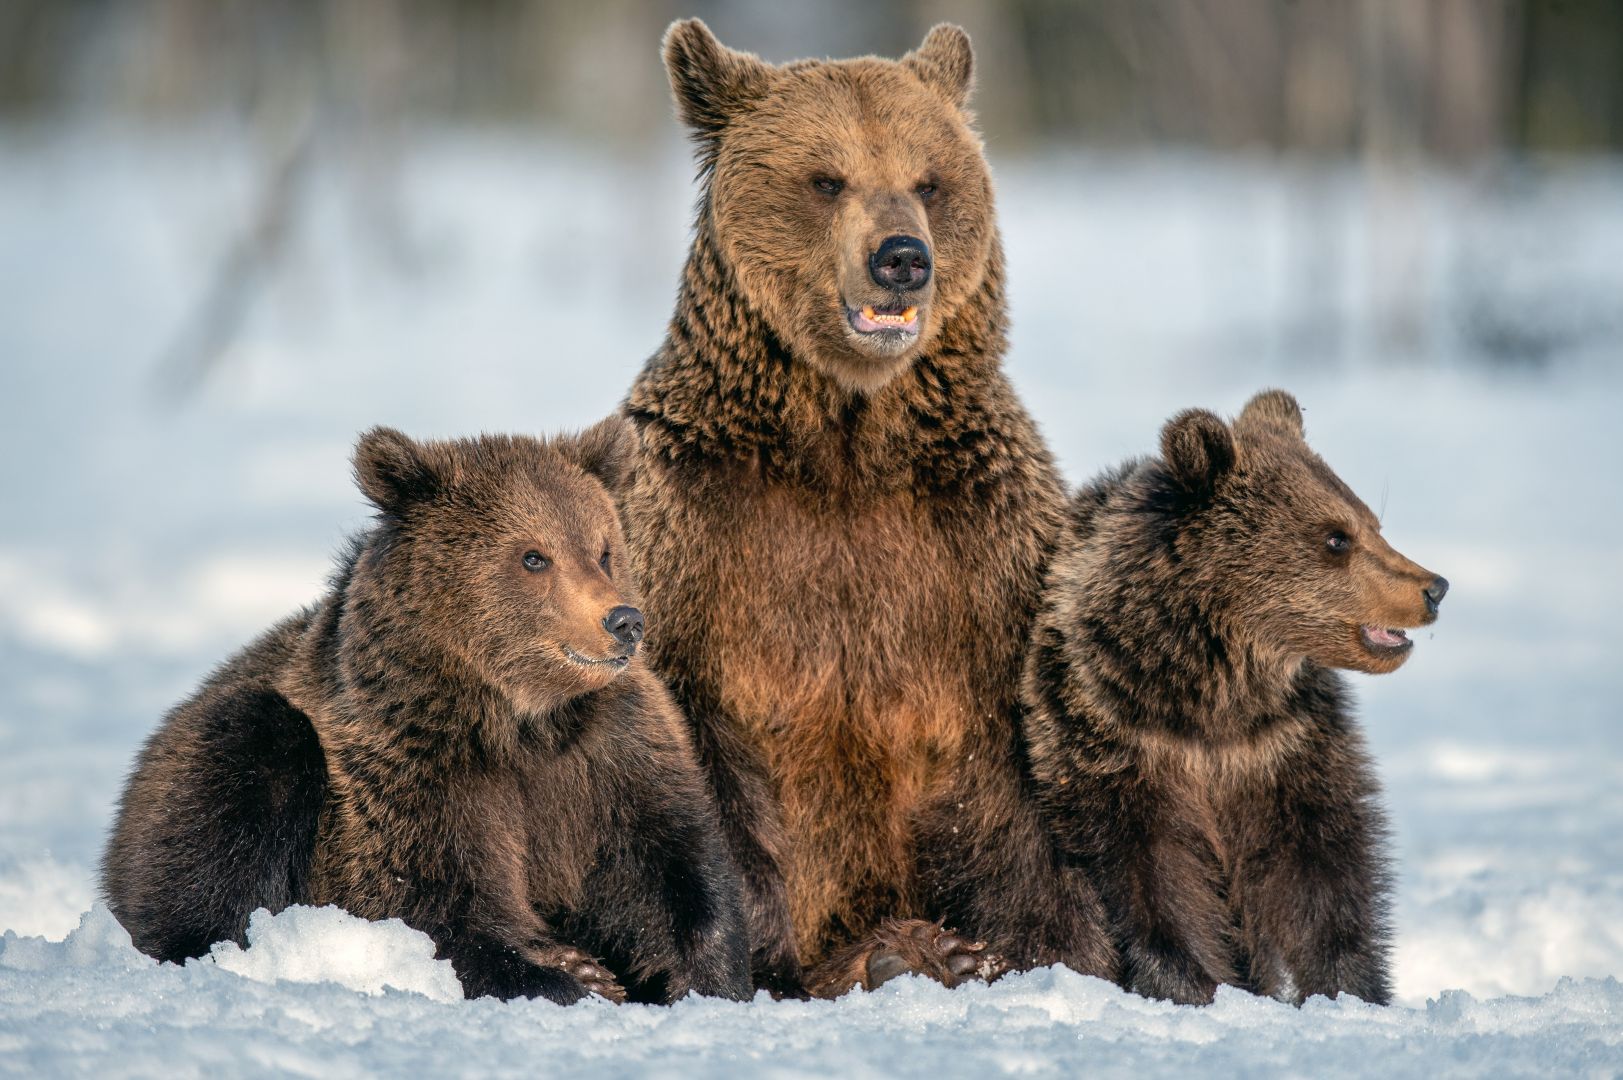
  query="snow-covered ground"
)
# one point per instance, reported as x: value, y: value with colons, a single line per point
x: 1457, y: 342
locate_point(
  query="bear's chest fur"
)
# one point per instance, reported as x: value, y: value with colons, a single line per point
x: 851, y: 623
x: 1220, y: 789
x: 396, y: 824
x: 853, y: 642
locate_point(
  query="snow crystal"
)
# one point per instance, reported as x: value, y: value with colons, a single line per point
x: 307, y: 944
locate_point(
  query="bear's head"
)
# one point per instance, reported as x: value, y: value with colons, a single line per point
x: 505, y: 552
x: 1297, y: 561
x: 850, y: 198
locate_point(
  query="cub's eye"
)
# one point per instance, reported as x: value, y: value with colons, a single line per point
x: 1337, y: 542
x: 926, y: 190
x: 534, y: 560
x: 604, y: 563
x: 828, y: 185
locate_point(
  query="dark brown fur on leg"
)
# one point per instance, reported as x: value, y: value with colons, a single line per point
x: 988, y: 858
x: 754, y: 836
x: 904, y: 947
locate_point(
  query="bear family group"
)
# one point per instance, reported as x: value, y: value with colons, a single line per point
x: 805, y: 671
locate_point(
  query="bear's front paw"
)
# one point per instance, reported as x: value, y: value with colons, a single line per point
x: 593, y: 976
x: 907, y: 946
x: 1168, y: 979
x: 930, y: 949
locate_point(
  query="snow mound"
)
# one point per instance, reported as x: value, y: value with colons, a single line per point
x: 328, y: 944
x: 99, y: 942
x: 41, y: 897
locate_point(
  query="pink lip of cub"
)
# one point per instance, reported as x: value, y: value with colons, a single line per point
x: 871, y: 320
x: 1386, y: 640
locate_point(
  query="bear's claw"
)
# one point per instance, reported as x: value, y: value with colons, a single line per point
x: 592, y: 975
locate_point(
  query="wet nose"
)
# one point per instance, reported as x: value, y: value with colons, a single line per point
x: 902, y: 262
x: 625, y: 624
x: 1435, y: 593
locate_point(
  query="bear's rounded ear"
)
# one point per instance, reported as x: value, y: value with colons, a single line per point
x: 945, y: 61
x: 606, y: 450
x: 711, y: 82
x: 1274, y: 409
x: 1198, y: 449
x: 392, y: 470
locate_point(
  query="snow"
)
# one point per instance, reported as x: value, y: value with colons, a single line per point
x: 144, y: 537
x: 95, y: 1002
x: 316, y: 945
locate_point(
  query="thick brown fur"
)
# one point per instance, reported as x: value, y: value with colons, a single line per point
x: 1195, y: 750
x: 843, y: 540
x: 455, y: 737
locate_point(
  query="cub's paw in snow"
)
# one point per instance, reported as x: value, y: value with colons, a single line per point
x: 906, y: 946
x: 1168, y: 977
x: 593, y: 977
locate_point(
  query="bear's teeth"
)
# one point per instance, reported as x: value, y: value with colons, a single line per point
x: 901, y: 318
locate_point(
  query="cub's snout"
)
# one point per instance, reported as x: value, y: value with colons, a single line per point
x: 625, y: 626
x: 1434, y: 594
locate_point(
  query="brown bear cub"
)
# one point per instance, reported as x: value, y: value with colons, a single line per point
x: 1193, y: 746
x: 459, y: 735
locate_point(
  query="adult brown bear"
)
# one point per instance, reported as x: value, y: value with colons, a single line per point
x: 841, y: 515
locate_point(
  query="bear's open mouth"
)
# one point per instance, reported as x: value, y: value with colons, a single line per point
x: 895, y: 319
x: 615, y: 662
x: 1381, y: 639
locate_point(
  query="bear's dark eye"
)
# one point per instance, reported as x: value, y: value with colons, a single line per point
x: 828, y: 185
x: 926, y: 190
x: 534, y: 560
x: 604, y: 563
x: 1337, y: 542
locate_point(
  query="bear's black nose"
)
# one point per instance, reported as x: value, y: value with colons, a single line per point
x: 625, y: 623
x: 1435, y: 593
x: 902, y: 262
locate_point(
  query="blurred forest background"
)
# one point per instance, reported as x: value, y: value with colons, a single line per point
x: 1382, y: 93
x: 1456, y: 80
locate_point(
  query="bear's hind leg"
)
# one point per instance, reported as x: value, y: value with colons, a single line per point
x: 219, y: 818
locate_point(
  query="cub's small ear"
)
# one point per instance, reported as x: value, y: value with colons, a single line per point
x: 711, y: 83
x: 945, y: 61
x: 607, y: 450
x: 392, y: 470
x: 1272, y: 408
x: 1198, y: 449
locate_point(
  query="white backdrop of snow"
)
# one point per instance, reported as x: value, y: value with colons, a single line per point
x: 142, y: 541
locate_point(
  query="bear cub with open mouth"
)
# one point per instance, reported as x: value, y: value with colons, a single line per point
x: 1193, y: 744
x: 460, y: 735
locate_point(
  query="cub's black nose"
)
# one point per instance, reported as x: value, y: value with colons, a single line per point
x: 902, y: 262
x: 625, y: 623
x: 1435, y: 593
